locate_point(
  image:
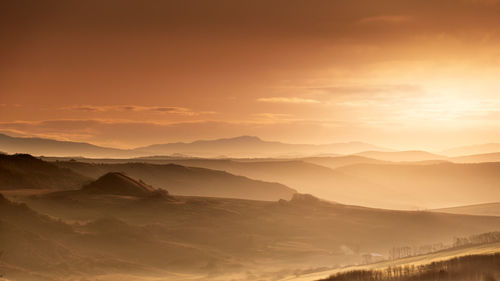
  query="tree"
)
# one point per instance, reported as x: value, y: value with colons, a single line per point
x: 1, y: 254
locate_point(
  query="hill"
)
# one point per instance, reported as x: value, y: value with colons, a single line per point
x: 38, y: 247
x: 477, y: 158
x: 118, y: 184
x: 109, y: 185
x: 299, y: 175
x: 473, y: 149
x: 223, y: 239
x: 435, y: 185
x: 488, y: 209
x: 181, y: 180
x: 23, y: 171
x: 339, y: 161
x: 402, y: 156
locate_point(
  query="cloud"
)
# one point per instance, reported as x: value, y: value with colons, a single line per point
x: 292, y: 100
x: 391, y: 19
x: 136, y: 108
x: 368, y: 90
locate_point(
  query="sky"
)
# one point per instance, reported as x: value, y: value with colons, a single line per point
x: 413, y: 74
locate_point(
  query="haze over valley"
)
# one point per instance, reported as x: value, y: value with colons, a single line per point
x: 231, y: 140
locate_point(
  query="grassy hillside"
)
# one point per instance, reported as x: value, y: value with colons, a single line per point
x: 22, y: 171
x: 466, y: 268
x: 486, y: 249
x: 488, y: 209
x: 217, y: 238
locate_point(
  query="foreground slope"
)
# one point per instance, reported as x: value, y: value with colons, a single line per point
x: 223, y: 239
x: 464, y: 268
x: 481, y: 254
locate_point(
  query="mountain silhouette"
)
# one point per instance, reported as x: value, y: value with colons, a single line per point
x: 251, y: 146
x: 242, y: 146
x: 49, y: 147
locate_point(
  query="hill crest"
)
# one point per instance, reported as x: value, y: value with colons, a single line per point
x: 115, y: 183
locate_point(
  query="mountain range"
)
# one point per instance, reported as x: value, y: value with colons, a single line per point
x: 243, y: 146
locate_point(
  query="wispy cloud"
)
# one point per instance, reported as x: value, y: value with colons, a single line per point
x: 293, y: 100
x: 136, y: 108
x: 387, y: 19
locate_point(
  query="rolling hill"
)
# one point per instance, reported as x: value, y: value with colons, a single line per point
x: 339, y: 161
x: 207, y: 238
x: 402, y: 156
x: 118, y: 184
x: 477, y: 158
x: 434, y: 185
x: 488, y: 209
x: 473, y: 149
x: 299, y: 175
x: 181, y: 180
x: 23, y: 171
x: 409, y: 185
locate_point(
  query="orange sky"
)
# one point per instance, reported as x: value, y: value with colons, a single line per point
x: 402, y: 74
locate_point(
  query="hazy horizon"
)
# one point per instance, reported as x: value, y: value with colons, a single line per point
x: 231, y: 137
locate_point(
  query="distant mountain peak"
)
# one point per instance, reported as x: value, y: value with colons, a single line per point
x: 243, y: 138
x: 115, y: 183
x: 247, y: 137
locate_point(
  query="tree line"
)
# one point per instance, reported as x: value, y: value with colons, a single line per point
x: 477, y: 239
x: 465, y: 268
